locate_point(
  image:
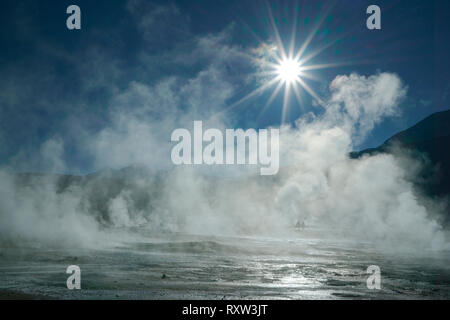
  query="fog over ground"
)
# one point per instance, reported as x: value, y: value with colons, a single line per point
x: 370, y: 199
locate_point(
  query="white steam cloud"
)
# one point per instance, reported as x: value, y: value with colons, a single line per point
x: 369, y: 199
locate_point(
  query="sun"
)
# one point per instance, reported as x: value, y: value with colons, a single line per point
x: 289, y: 70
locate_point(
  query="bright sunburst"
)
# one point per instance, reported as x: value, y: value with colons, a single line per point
x: 289, y: 70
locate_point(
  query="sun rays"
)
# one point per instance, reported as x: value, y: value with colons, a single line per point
x: 287, y: 71
x: 289, y: 66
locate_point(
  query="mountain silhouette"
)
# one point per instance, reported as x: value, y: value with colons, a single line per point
x: 429, y: 142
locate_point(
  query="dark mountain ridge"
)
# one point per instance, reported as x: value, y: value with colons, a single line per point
x: 428, y: 141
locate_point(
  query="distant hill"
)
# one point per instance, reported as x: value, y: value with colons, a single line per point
x: 429, y: 140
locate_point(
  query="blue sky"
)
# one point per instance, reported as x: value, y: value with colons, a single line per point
x: 72, y: 93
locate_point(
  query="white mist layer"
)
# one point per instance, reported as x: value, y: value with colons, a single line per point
x: 368, y: 199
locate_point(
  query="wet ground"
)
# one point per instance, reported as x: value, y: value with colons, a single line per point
x: 205, y: 267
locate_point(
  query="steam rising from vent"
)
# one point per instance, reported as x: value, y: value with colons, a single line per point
x: 370, y: 199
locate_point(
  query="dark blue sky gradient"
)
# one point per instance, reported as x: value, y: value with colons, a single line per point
x: 44, y: 71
